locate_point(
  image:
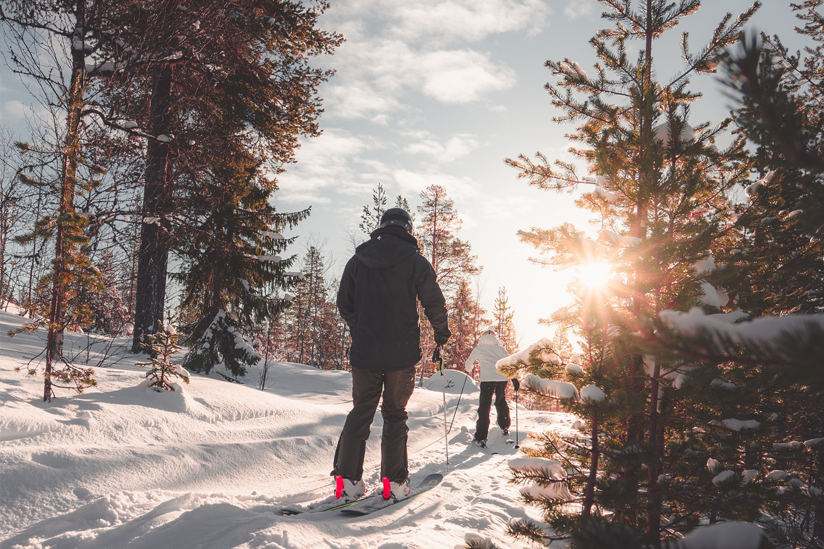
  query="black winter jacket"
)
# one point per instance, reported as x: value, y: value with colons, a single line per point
x: 377, y: 300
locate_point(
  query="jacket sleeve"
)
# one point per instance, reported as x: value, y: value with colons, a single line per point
x: 432, y: 300
x: 346, y: 293
x: 473, y: 356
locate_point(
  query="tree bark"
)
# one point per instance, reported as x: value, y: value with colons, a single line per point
x: 654, y: 468
x: 153, y: 253
x: 595, y: 454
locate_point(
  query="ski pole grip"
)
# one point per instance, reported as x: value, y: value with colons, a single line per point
x: 516, y: 384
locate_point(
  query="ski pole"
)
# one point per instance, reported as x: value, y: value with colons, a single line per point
x: 436, y: 357
x: 516, y: 385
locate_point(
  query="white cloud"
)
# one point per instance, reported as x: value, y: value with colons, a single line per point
x: 412, y: 183
x: 578, y: 8
x: 462, y: 76
x: 16, y: 110
x: 358, y: 100
x: 466, y: 20
x: 379, y: 77
x: 328, y: 164
x: 395, y: 51
x: 441, y: 20
x: 453, y: 148
x: 467, y: 221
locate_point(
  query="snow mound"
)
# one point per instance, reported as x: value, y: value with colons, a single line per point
x: 454, y: 382
x: 727, y: 535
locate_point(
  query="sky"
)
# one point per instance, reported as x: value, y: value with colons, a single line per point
x: 443, y: 91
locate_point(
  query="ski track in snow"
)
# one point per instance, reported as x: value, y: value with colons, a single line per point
x: 122, y: 466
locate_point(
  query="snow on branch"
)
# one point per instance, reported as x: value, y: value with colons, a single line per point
x: 550, y: 387
x: 764, y: 331
x: 540, y: 351
x: 615, y: 238
x: 794, y: 344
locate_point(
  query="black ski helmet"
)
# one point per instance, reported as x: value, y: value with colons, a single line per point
x: 397, y: 216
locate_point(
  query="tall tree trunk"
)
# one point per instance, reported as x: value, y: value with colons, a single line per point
x: 153, y: 253
x: 68, y: 183
x: 654, y: 468
x: 595, y: 454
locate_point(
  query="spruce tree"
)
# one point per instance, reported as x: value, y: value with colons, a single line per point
x: 311, y: 321
x: 450, y: 256
x: 465, y: 322
x: 160, y: 347
x: 183, y: 70
x: 371, y: 217
x: 504, y: 320
x: 660, y: 188
x: 233, y: 264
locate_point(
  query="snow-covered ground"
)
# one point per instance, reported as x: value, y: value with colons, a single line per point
x: 208, y: 467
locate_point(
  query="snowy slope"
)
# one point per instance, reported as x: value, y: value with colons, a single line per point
x: 124, y: 466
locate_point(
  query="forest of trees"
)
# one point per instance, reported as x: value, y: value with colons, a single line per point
x: 156, y: 166
x: 166, y: 122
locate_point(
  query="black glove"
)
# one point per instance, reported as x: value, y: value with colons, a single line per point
x: 516, y: 384
x: 441, y: 339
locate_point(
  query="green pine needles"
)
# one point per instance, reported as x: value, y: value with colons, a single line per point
x: 233, y: 264
x: 161, y: 345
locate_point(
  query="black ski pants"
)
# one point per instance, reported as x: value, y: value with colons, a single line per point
x: 488, y: 390
x: 367, y: 386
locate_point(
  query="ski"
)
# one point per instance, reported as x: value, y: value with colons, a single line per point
x: 298, y: 510
x: 366, y: 508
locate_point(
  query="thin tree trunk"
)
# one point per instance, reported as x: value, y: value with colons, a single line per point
x: 818, y: 507
x: 68, y: 183
x: 595, y: 454
x: 654, y: 469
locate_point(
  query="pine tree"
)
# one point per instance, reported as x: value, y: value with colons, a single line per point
x: 504, y: 320
x: 39, y: 27
x: 160, y: 347
x: 465, y: 315
x: 312, y: 326
x: 187, y: 70
x: 233, y: 264
x: 773, y: 265
x: 371, y: 217
x: 450, y: 256
x: 762, y: 370
x: 660, y: 188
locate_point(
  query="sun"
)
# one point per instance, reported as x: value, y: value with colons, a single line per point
x: 594, y: 275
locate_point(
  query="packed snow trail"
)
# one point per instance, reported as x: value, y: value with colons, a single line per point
x: 205, y: 467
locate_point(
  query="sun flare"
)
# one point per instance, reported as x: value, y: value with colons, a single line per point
x: 594, y: 275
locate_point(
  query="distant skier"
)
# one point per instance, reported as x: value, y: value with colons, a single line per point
x: 377, y: 299
x: 489, y: 351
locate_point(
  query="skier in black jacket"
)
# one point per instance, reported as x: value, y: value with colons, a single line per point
x: 377, y: 299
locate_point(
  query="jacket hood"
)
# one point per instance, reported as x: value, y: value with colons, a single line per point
x: 488, y: 339
x: 386, y: 247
